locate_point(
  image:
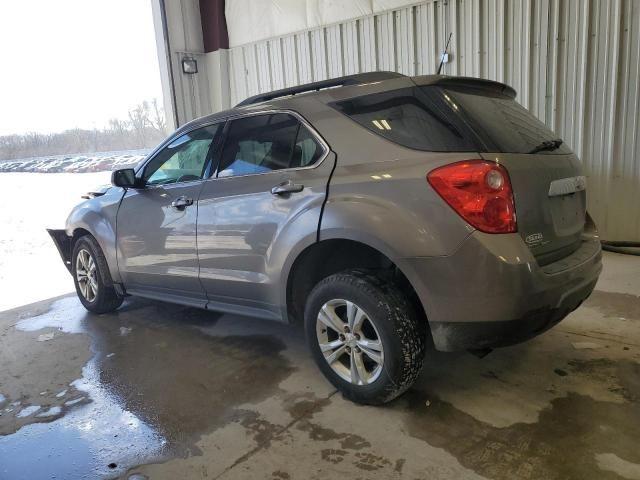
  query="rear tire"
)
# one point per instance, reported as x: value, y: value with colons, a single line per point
x: 365, y: 336
x: 92, y: 278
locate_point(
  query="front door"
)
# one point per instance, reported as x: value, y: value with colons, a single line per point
x: 156, y: 224
x: 270, y: 173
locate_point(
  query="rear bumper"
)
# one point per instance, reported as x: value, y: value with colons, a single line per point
x: 63, y: 243
x: 492, y: 292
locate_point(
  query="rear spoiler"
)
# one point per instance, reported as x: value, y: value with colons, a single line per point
x: 471, y: 83
x: 371, y: 77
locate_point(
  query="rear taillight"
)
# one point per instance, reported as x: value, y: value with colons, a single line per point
x: 480, y: 192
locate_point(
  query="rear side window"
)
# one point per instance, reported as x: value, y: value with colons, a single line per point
x: 262, y: 143
x: 435, y: 119
x: 307, y: 150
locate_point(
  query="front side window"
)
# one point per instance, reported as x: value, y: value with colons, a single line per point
x: 263, y: 143
x: 183, y: 160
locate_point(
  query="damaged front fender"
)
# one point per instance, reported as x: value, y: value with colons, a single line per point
x: 63, y: 244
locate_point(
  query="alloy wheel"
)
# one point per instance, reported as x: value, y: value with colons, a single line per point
x: 349, y: 342
x: 86, y: 275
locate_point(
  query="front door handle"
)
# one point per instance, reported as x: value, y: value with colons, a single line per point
x: 286, y: 188
x: 182, y: 202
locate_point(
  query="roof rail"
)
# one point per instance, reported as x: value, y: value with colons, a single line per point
x: 356, y: 79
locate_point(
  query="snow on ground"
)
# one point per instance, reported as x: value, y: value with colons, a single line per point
x: 30, y: 266
x: 76, y: 163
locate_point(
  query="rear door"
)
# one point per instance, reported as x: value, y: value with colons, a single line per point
x: 273, y: 169
x: 156, y: 224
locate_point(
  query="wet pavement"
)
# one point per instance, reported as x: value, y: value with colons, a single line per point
x: 161, y: 391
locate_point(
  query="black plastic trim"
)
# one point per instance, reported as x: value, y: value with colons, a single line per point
x: 357, y: 79
x: 63, y: 244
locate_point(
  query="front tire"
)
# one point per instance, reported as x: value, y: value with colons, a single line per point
x: 92, y: 278
x: 365, y: 336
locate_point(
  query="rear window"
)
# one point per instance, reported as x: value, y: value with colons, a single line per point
x: 436, y: 119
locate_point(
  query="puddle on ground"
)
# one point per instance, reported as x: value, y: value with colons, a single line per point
x: 145, y: 396
x: 564, y: 443
x: 83, y: 442
x: 613, y: 304
x: 64, y: 316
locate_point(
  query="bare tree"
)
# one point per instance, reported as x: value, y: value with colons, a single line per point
x: 144, y: 128
x: 117, y: 126
x: 139, y: 119
x: 158, y: 118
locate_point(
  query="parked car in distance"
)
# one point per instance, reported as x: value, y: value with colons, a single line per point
x: 386, y: 212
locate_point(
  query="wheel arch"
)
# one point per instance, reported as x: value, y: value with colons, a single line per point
x: 81, y: 230
x: 97, y: 217
x: 326, y: 257
x: 78, y: 233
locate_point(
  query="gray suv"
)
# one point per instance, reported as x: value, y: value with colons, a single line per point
x: 387, y: 213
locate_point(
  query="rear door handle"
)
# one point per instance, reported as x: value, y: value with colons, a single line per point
x: 286, y: 188
x: 182, y: 202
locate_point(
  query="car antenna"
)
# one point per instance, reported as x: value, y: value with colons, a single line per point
x: 444, y: 53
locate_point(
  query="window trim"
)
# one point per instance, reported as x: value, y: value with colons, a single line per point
x: 211, y: 171
x: 299, y: 117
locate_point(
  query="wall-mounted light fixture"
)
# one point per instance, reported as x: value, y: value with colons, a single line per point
x: 189, y: 65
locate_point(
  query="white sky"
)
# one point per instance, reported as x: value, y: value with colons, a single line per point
x: 74, y: 63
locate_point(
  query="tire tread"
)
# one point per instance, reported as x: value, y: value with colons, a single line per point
x: 405, y: 322
x: 108, y: 298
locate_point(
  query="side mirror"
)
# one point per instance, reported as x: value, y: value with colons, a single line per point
x: 125, y: 177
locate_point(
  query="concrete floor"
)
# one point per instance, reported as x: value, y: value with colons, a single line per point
x: 159, y: 391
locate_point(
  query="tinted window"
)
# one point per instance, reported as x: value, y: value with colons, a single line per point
x: 258, y: 144
x: 307, y: 150
x: 500, y: 122
x: 262, y: 143
x: 441, y: 120
x: 183, y: 159
x: 412, y: 117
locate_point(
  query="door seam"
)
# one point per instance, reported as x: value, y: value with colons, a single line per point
x: 326, y: 195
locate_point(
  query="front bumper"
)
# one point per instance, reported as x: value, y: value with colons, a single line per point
x: 492, y: 292
x: 63, y: 244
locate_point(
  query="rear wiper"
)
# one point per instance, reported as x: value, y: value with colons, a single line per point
x: 547, y: 146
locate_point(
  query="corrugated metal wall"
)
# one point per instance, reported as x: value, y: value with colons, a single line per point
x: 574, y: 63
x: 192, y: 92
